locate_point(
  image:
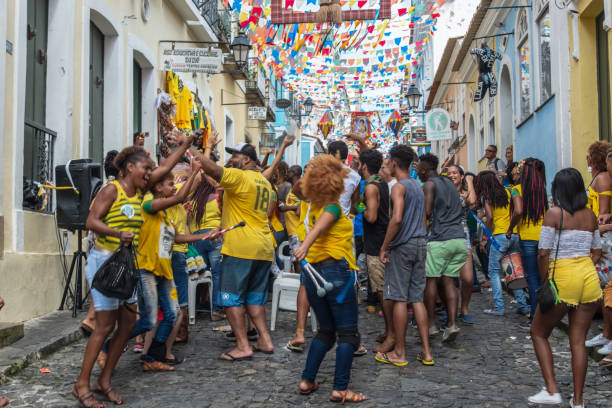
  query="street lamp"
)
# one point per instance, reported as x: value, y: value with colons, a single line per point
x: 414, y: 97
x: 241, y: 46
x: 308, y: 106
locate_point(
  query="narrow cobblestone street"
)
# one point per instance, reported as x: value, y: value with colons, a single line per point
x: 491, y: 364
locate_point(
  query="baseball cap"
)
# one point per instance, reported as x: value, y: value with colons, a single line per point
x: 246, y: 149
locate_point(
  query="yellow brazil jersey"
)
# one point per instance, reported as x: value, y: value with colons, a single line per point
x: 277, y: 225
x: 178, y: 217
x: 336, y: 242
x: 123, y: 215
x: 292, y: 220
x: 184, y: 109
x: 172, y: 85
x: 156, y: 240
x: 501, y: 218
x: 528, y: 231
x: 301, y: 229
x: 593, y: 199
x: 246, y: 198
x: 210, y: 220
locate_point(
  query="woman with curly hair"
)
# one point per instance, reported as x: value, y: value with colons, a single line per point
x: 497, y: 206
x: 599, y: 191
x: 328, y: 248
x: 530, y: 203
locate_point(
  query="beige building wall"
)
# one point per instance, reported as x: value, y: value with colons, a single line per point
x: 31, y: 273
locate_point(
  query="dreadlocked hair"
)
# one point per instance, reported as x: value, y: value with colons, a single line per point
x: 324, y: 180
x: 533, y: 189
x: 489, y: 189
x: 199, y: 200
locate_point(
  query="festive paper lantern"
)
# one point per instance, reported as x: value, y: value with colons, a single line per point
x: 326, y: 124
x: 395, y: 122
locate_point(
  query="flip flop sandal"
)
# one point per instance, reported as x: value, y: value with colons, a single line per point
x: 298, y: 348
x: 117, y: 401
x: 86, y: 330
x: 258, y: 350
x: 173, y: 361
x: 348, y: 396
x: 385, y: 360
x: 605, y: 362
x: 361, y: 351
x: 231, y: 358
x: 310, y: 390
x: 88, y: 396
x: 425, y: 362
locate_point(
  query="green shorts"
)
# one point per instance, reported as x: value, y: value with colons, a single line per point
x: 445, y: 258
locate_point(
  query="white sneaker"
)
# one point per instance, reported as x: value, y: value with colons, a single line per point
x: 606, y: 349
x: 598, y: 340
x: 572, y: 405
x: 543, y: 397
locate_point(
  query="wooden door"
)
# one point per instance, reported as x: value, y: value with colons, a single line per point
x: 96, y: 94
x: 36, y: 80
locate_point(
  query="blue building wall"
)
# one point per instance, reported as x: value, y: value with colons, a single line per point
x: 535, y: 136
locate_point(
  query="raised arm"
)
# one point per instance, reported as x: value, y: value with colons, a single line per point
x: 168, y: 164
x: 269, y: 172
x: 159, y: 204
x: 211, y: 168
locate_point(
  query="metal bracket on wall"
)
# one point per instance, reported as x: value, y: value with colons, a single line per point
x: 492, y: 36
x: 508, y: 7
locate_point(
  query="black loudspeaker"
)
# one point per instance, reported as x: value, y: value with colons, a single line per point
x: 72, y: 208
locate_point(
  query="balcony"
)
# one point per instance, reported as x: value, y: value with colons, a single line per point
x: 38, y: 166
x: 267, y: 143
x: 191, y: 12
x: 256, y: 84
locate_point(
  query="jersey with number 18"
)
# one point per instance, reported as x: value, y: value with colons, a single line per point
x: 246, y: 197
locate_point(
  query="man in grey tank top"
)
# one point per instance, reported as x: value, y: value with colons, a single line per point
x: 403, y: 252
x: 446, y: 247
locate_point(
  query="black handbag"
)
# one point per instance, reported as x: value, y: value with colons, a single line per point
x: 548, y: 296
x: 118, y: 276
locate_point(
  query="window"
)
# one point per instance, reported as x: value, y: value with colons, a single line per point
x: 544, y: 45
x: 229, y: 132
x: 137, y: 98
x: 524, y: 64
x: 480, y: 114
x: 491, y: 106
x: 482, y: 143
x: 492, y: 132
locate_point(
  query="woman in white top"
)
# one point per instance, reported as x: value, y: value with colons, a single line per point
x: 570, y: 245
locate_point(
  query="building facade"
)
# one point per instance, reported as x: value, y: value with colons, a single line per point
x: 79, y: 78
x: 531, y: 110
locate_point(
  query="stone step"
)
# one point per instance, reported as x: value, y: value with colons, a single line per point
x: 10, y: 333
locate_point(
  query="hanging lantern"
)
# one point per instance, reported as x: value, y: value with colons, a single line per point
x: 395, y: 122
x: 326, y: 124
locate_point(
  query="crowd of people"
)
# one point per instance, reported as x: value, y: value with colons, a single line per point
x: 419, y: 233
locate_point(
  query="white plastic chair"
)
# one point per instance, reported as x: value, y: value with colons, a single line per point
x: 206, y: 278
x: 284, y: 258
x: 284, y: 297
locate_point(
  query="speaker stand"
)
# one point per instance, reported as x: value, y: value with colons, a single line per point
x: 76, y: 268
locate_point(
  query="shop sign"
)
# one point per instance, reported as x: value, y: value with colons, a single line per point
x: 203, y: 60
x: 257, y: 113
x: 438, y: 124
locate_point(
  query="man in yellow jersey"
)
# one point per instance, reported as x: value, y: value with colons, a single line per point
x: 247, y: 252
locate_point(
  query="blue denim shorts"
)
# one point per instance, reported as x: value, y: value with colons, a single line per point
x: 101, y: 303
x: 243, y: 281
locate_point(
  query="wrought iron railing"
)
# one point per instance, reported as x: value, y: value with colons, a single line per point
x: 266, y: 142
x: 210, y: 13
x: 225, y: 25
x: 38, y: 166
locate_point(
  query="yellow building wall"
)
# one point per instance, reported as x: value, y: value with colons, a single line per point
x: 583, y: 91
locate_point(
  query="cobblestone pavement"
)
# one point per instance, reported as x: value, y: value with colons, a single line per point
x: 491, y: 364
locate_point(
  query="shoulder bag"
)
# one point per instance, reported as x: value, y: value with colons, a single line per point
x: 548, y: 295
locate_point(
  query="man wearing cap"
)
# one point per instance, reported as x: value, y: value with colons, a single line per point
x: 247, y: 252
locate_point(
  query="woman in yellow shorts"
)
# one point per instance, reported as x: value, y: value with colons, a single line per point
x: 570, y: 245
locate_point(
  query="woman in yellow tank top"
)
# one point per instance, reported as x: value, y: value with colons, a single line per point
x: 328, y: 247
x: 599, y: 192
x: 115, y: 217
